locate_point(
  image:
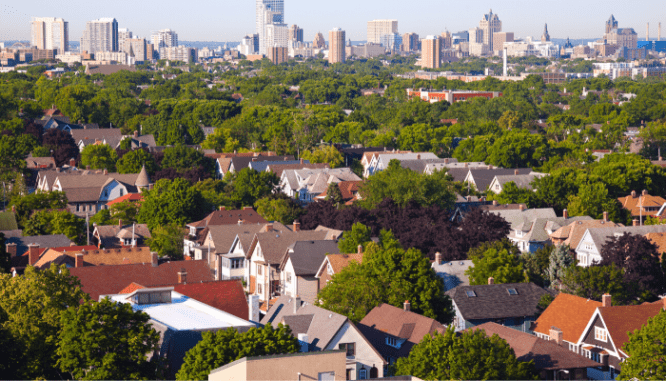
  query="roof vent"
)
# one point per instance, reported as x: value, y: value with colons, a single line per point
x: 330, y: 316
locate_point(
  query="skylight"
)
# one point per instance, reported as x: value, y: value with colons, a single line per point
x: 470, y: 293
x: 512, y: 291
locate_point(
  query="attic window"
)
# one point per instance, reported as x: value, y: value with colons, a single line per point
x: 512, y: 291
x: 470, y: 293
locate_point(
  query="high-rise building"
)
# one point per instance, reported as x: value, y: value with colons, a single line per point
x: 319, y: 42
x: 336, y: 45
x: 447, y: 40
x: 150, y: 51
x: 476, y: 36
x: 50, y: 33
x: 100, y: 36
x: 249, y: 45
x: 430, y: 52
x: 378, y: 28
x: 392, y: 41
x: 545, y: 37
x: 268, y: 12
x: 500, y: 38
x: 277, y: 55
x: 620, y: 37
x: 490, y: 24
x: 137, y: 48
x: 611, y: 24
x: 124, y: 35
x: 410, y: 42
x: 179, y: 53
x: 165, y: 38
x: 295, y: 33
x: 276, y: 36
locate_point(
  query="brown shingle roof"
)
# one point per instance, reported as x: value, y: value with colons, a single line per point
x: 96, y: 257
x: 573, y: 233
x: 230, y: 217
x: 493, y: 301
x: 569, y: 313
x: 640, y: 202
x: 348, y: 189
x: 658, y: 239
x: 274, y: 243
x: 340, y: 261
x: 620, y: 320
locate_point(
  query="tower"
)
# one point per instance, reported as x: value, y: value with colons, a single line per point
x: 430, y: 52
x: 379, y: 28
x: 50, y: 33
x: 489, y: 24
x: 336, y: 47
x: 268, y: 12
x: 100, y: 36
x: 545, y: 37
x: 611, y: 24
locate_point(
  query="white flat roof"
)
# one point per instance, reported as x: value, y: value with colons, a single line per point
x: 185, y: 314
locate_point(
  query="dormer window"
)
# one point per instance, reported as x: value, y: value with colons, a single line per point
x: 600, y: 334
x: 392, y: 342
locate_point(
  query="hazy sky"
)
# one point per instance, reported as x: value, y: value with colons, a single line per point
x: 226, y: 20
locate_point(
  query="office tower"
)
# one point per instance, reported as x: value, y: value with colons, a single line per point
x: 295, y: 33
x: 165, y: 38
x: 392, y: 41
x: 247, y: 46
x: 50, y: 33
x: 268, y: 12
x: 500, y: 38
x: 319, y: 42
x: 276, y: 35
x: 410, y: 42
x: 621, y: 37
x: 378, y: 28
x: 545, y: 37
x: 490, y: 25
x: 476, y: 36
x: 430, y: 52
x: 277, y: 55
x: 100, y: 36
x: 179, y: 53
x: 336, y: 48
x: 124, y: 35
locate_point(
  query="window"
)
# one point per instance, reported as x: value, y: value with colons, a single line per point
x: 78, y: 207
x: 288, y: 277
x: 573, y: 347
x: 470, y: 293
x: 260, y: 289
x: 512, y: 291
x: 363, y: 374
x: 391, y: 341
x: 259, y: 270
x: 122, y: 192
x: 600, y: 334
x: 582, y: 259
x: 350, y: 348
x: 237, y: 263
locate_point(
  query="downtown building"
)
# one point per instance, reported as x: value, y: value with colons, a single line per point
x: 271, y: 12
x: 490, y: 24
x: 179, y: 53
x: 336, y: 46
x: 163, y: 39
x: 379, y: 28
x: 50, y: 33
x: 430, y: 52
x: 100, y: 36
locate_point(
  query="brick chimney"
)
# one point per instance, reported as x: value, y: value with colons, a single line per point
x: 33, y: 253
x: 120, y: 224
x: 633, y: 194
x: 438, y: 258
x: 522, y: 207
x: 154, y: 257
x: 106, y: 172
x: 58, y: 169
x: 182, y: 276
x: 79, y: 260
x: 565, y: 214
x: 247, y: 208
x: 605, y: 218
x: 645, y: 192
x: 606, y: 300
x: 515, y: 172
x: 301, y: 160
x: 469, y: 198
x: 87, y: 167
x: 634, y: 222
x: 359, y: 249
x: 495, y: 203
x: 136, y: 134
x: 297, y: 226
x: 407, y: 306
x: 72, y: 162
x: 269, y: 227
x: 11, y: 249
x: 222, y: 208
x: 556, y: 335
x: 418, y: 157
x: 446, y: 161
x: 491, y: 280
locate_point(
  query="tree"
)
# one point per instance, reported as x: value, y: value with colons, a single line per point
x: 13, y: 151
x: 594, y: 281
x: 105, y: 341
x: 171, y: 202
x: 167, y: 241
x: 639, y: 258
x: 279, y: 208
x: 497, y: 261
x: 62, y: 144
x: 247, y: 186
x: 511, y: 194
x: 125, y: 211
x: 646, y: 351
x: 328, y: 154
x: 30, y: 306
x: 48, y: 222
x: 333, y: 193
x: 222, y: 347
x: 471, y: 355
x: 182, y: 158
x: 99, y: 156
x: 5, y: 262
x: 133, y: 161
x: 358, y: 235
x: 560, y: 261
x: 593, y: 200
x: 27, y: 204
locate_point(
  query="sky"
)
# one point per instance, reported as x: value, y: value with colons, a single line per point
x: 227, y: 20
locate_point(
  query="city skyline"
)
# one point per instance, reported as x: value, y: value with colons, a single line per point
x: 203, y: 21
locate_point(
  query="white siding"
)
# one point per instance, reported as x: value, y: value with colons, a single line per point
x: 291, y: 287
x: 365, y: 355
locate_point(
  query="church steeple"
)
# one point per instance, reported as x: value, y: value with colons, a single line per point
x: 545, y: 37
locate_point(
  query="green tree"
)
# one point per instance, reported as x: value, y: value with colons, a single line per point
x: 594, y: 281
x: 326, y: 154
x: 48, y: 222
x: 183, y: 158
x: 30, y: 307
x: 99, y: 156
x: 511, y: 194
x: 13, y: 151
x: 593, y: 200
x: 646, y: 351
x: 172, y: 202
x: 499, y: 261
x: 469, y: 356
x: 333, y: 193
x: 106, y: 341
x: 247, y: 186
x: 358, y: 235
x: 222, y: 347
x: 125, y: 211
x: 277, y: 208
x: 133, y: 161
x: 560, y: 261
x: 167, y: 241
x: 27, y: 204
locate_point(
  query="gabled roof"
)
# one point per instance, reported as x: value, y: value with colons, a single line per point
x: 599, y: 236
x: 224, y: 235
x: 261, y: 166
x: 229, y: 217
x: 547, y: 355
x: 338, y: 262
x: 484, y: 176
x: 517, y: 217
x: 348, y: 189
x: 40, y: 162
x: 99, y: 134
x: 637, y: 204
x: 241, y: 162
x: 419, y: 165
x: 275, y: 243
x: 569, y: 313
x: 43, y: 241
x: 453, y: 273
x: 279, y: 168
x: 521, y: 181
x: 573, y: 232
x: 109, y: 235
x: 132, y: 197
x: 306, y: 256
x: 620, y: 320
x: 493, y: 301
x: 103, y: 280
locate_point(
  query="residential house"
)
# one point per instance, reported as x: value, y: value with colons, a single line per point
x: 25, y: 251
x: 514, y: 305
x: 348, y: 190
x: 225, y: 249
x: 522, y: 181
x: 110, y: 136
x: 334, y: 263
x: 36, y: 163
x: 353, y: 153
x: 328, y: 365
x: 139, y: 141
x: 239, y: 162
x: 306, y: 184
x: 299, y: 267
x: 90, y: 256
x: 570, y: 235
x: 659, y: 239
x: 589, y: 248
x: 452, y: 272
x: 395, y: 331
x: 180, y: 320
x: 46, y: 177
x: 643, y: 205
x: 117, y: 236
x: 222, y: 165
x: 135, y: 198
x: 62, y: 123
x: 278, y: 167
x: 322, y: 330
x: 380, y: 161
x: 457, y: 170
x: 481, y: 177
x: 419, y: 165
x: 551, y: 360
x: 262, y: 166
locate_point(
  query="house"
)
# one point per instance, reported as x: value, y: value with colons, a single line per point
x: 589, y: 248
x: 179, y: 320
x: 40, y: 162
x: 299, y: 267
x: 103, y: 280
x: 659, y: 239
x: 457, y: 170
x: 522, y: 181
x: 353, y: 153
x: 452, y: 273
x: 261, y: 166
x: 224, y: 249
x: 139, y: 141
x: 643, y: 205
x: 395, y: 331
x: 130, y: 197
x: 110, y: 136
x: 381, y: 160
x: 327, y: 365
x: 78, y: 256
x: 278, y: 167
x: 322, y: 330
x: 482, y: 177
x: 25, y: 251
x: 306, y: 184
x: 552, y: 360
x: 222, y: 166
x: 239, y: 162
x: 348, y: 190
x: 334, y: 263
x: 514, y: 305
x: 419, y: 165
x: 571, y: 234
x: 117, y: 236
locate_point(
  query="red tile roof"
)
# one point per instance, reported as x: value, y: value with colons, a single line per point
x: 560, y: 314
x: 134, y: 197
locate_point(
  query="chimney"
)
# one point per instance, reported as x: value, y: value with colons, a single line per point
x: 556, y: 335
x: 120, y: 224
x: 154, y: 257
x: 359, y: 249
x: 522, y: 207
x: 72, y: 244
x: 664, y: 303
x: 495, y: 203
x: 297, y: 226
x: 222, y: 208
x: 269, y: 227
x: 633, y: 194
x: 515, y: 172
x: 79, y: 260
x: 645, y: 192
x: 33, y: 254
x: 490, y: 167
x: 254, y: 159
x: 240, y: 221
x: 301, y: 160
x: 606, y: 300
x: 72, y: 162
x: 182, y: 276
x: 247, y: 208
x: 605, y: 217
x: 661, y: 158
x: 565, y: 214
x: 11, y: 249
x: 466, y: 165
x: 407, y: 306
x: 297, y: 303
x: 58, y: 169
x: 446, y: 161
x: 136, y: 134
x: 106, y: 172
x: 634, y: 222
x: 469, y: 198
x: 418, y: 157
x: 438, y: 258
x: 491, y: 280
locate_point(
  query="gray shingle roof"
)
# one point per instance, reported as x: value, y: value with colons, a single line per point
x: 307, y: 256
x: 420, y: 164
x: 260, y: 166
x: 517, y: 217
x: 100, y: 134
x: 601, y: 235
x: 521, y: 181
x: 274, y: 244
x: 224, y: 235
x: 453, y: 273
x: 483, y: 176
x: 493, y: 301
x: 44, y: 241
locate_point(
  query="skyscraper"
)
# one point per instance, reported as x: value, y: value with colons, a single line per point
x: 50, y: 33
x: 378, y: 28
x: 100, y: 36
x: 430, y: 52
x: 410, y: 42
x: 490, y: 24
x: 319, y: 42
x: 165, y: 38
x: 295, y: 33
x: 336, y: 45
x: 268, y: 12
x: 124, y: 35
